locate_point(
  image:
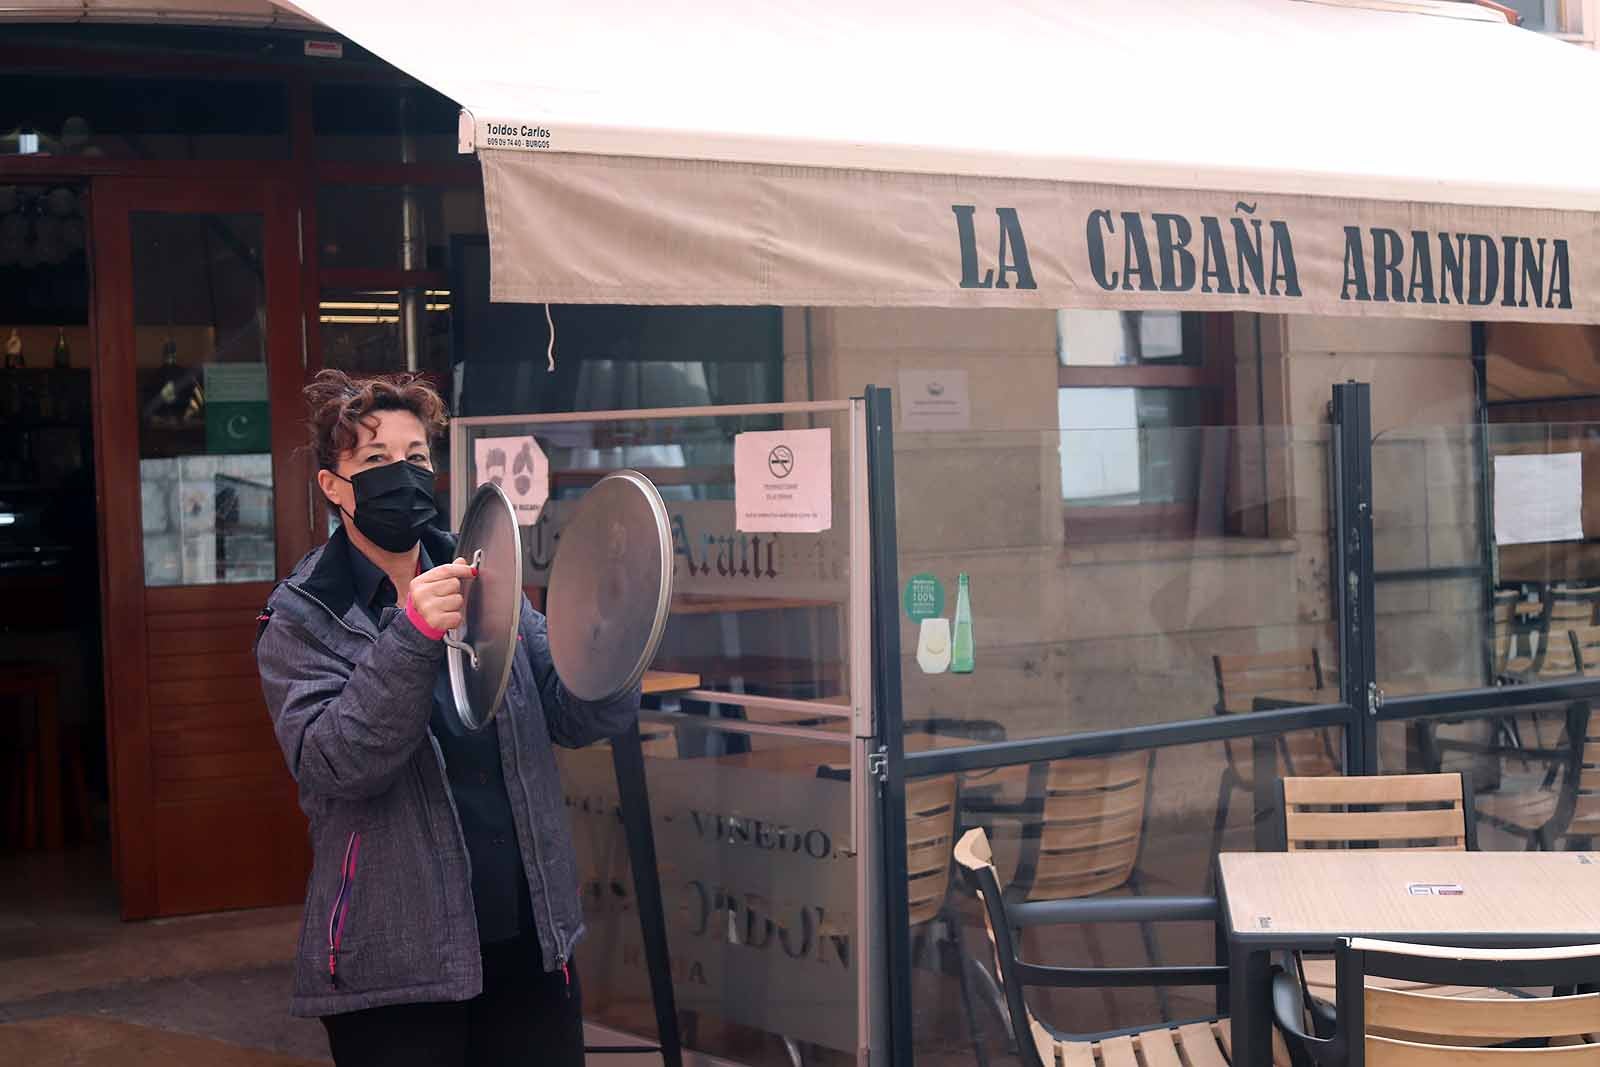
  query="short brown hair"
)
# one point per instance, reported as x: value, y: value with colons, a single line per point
x: 340, y: 405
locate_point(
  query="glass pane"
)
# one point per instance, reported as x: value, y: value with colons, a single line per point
x: 762, y: 614
x: 1485, y: 554
x: 383, y: 124
x: 1076, y: 625
x: 610, y: 357
x: 758, y: 874
x: 1145, y: 449
x: 142, y: 118
x: 1127, y: 338
x: 205, y: 453
x: 1530, y: 768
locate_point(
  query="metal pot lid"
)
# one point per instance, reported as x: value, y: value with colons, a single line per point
x: 481, y: 650
x: 610, y: 587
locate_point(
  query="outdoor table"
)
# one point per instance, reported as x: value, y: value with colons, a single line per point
x: 1308, y: 900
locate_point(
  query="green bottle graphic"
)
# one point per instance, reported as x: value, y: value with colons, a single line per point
x: 961, y: 646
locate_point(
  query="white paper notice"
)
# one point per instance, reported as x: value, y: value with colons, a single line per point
x: 934, y: 400
x: 1538, y: 498
x: 783, y: 481
x: 517, y: 465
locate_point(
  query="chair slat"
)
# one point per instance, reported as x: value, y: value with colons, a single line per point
x: 1373, y: 789
x: 1294, y: 657
x: 1200, y: 1048
x: 1375, y: 825
x: 1118, y: 1052
x: 1482, y: 1017
x: 1391, y: 1052
x: 1073, y: 1054
x: 1158, y: 1048
x: 1264, y: 682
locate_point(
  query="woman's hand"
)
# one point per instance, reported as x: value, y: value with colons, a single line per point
x: 436, y: 594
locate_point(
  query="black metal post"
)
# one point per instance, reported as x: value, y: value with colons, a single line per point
x: 1486, y: 543
x: 627, y: 759
x: 1352, y: 569
x: 889, y: 735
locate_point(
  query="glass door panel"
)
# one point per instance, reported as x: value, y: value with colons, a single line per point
x: 200, y: 352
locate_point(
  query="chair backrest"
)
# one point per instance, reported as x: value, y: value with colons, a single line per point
x: 1573, y: 606
x: 975, y: 860
x: 1292, y: 675
x: 1571, y: 650
x: 1585, y: 788
x: 1091, y: 824
x: 931, y: 805
x: 1242, y: 678
x: 1409, y: 811
x: 1397, y: 1027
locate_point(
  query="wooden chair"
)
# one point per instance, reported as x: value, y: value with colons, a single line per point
x: 1403, y: 811
x: 1382, y: 1026
x: 1242, y: 680
x: 1409, y: 811
x: 1201, y: 1042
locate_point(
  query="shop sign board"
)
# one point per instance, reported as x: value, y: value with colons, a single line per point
x: 855, y: 238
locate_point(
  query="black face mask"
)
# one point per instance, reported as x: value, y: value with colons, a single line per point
x: 394, y: 503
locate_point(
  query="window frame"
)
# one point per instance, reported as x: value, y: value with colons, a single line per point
x: 1212, y: 334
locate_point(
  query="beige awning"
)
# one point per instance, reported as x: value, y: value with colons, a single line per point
x: 1384, y: 158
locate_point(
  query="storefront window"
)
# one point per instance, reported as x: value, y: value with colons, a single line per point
x: 393, y: 227
x: 205, y: 448
x: 364, y: 331
x: 142, y: 118
x: 383, y: 124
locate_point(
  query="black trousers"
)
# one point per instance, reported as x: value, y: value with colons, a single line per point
x: 523, y: 1016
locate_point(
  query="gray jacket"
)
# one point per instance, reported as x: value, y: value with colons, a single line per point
x: 389, y: 917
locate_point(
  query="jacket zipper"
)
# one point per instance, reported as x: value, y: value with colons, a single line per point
x: 329, y: 610
x: 544, y: 882
x: 341, y: 905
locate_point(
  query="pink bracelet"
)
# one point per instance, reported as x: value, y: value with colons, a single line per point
x: 416, y: 620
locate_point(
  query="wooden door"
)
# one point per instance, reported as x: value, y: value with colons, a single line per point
x: 204, y: 502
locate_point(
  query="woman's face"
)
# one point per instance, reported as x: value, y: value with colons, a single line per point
x: 386, y: 437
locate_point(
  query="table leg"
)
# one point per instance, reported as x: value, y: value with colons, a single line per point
x: 1249, y: 993
x: 49, y: 758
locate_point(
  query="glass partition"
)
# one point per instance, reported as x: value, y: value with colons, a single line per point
x: 751, y: 768
x: 1062, y: 581
x: 1128, y: 823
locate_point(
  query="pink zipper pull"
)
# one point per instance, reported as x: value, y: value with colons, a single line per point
x: 566, y: 976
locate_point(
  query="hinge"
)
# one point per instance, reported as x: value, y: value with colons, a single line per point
x: 878, y: 764
x: 1374, y: 698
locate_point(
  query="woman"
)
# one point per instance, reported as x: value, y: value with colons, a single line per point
x: 442, y: 908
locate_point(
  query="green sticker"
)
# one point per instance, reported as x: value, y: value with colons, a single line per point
x: 924, y: 597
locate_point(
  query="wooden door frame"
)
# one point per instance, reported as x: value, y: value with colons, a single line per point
x: 116, y: 435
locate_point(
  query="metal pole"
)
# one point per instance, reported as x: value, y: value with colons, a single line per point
x: 413, y: 246
x: 1486, y: 543
x: 1352, y: 569
x: 627, y: 759
x: 889, y: 737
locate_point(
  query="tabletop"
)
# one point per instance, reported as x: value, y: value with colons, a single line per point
x: 1412, y: 893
